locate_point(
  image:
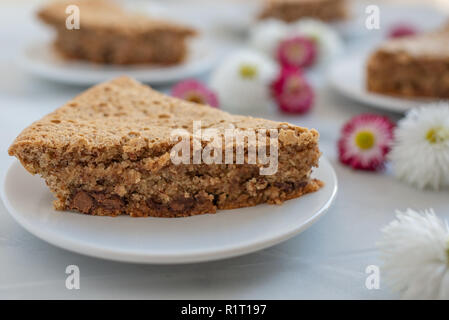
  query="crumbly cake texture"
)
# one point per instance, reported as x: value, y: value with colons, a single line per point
x: 108, y: 34
x: 107, y: 152
x: 415, y: 66
x: 292, y: 10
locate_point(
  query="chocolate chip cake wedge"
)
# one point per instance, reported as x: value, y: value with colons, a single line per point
x: 414, y: 66
x: 108, y: 34
x: 124, y: 148
x: 292, y: 10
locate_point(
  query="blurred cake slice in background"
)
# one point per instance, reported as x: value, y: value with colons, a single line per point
x: 108, y: 34
x: 292, y: 10
x: 413, y: 66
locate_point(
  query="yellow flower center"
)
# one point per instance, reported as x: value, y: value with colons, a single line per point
x: 365, y: 140
x: 295, y: 52
x: 294, y: 85
x: 437, y: 135
x: 248, y: 71
x: 314, y: 38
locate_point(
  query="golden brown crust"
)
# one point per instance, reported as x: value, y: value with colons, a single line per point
x: 107, y: 152
x: 415, y: 66
x: 129, y: 118
x: 108, y: 16
x: 109, y: 34
x: 292, y: 10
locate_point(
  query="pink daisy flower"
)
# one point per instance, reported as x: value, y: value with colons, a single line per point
x: 298, y: 51
x: 195, y: 91
x: 292, y: 92
x: 402, y: 30
x: 365, y: 141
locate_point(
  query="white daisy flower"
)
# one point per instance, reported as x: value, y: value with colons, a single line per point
x: 420, y: 154
x: 415, y: 251
x: 266, y: 35
x: 328, y: 41
x: 242, y: 82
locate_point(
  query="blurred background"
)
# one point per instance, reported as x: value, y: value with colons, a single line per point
x: 226, y: 24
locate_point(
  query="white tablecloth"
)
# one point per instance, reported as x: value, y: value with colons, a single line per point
x: 326, y: 261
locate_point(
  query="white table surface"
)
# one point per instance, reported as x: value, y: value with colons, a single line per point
x: 326, y: 261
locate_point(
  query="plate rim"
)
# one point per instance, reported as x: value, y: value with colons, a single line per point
x: 85, y: 248
x: 140, y: 72
x: 378, y: 101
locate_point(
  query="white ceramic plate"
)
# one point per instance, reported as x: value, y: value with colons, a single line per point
x: 40, y: 59
x: 163, y: 240
x: 347, y: 76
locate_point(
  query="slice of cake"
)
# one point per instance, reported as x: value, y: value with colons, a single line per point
x: 414, y: 66
x: 109, y: 34
x: 292, y: 10
x: 116, y: 149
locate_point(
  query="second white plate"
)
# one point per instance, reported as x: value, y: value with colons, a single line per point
x: 40, y: 59
x: 347, y: 76
x: 163, y: 240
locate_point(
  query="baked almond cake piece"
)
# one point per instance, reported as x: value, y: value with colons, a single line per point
x: 292, y: 10
x: 109, y: 34
x: 413, y: 66
x: 109, y: 151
